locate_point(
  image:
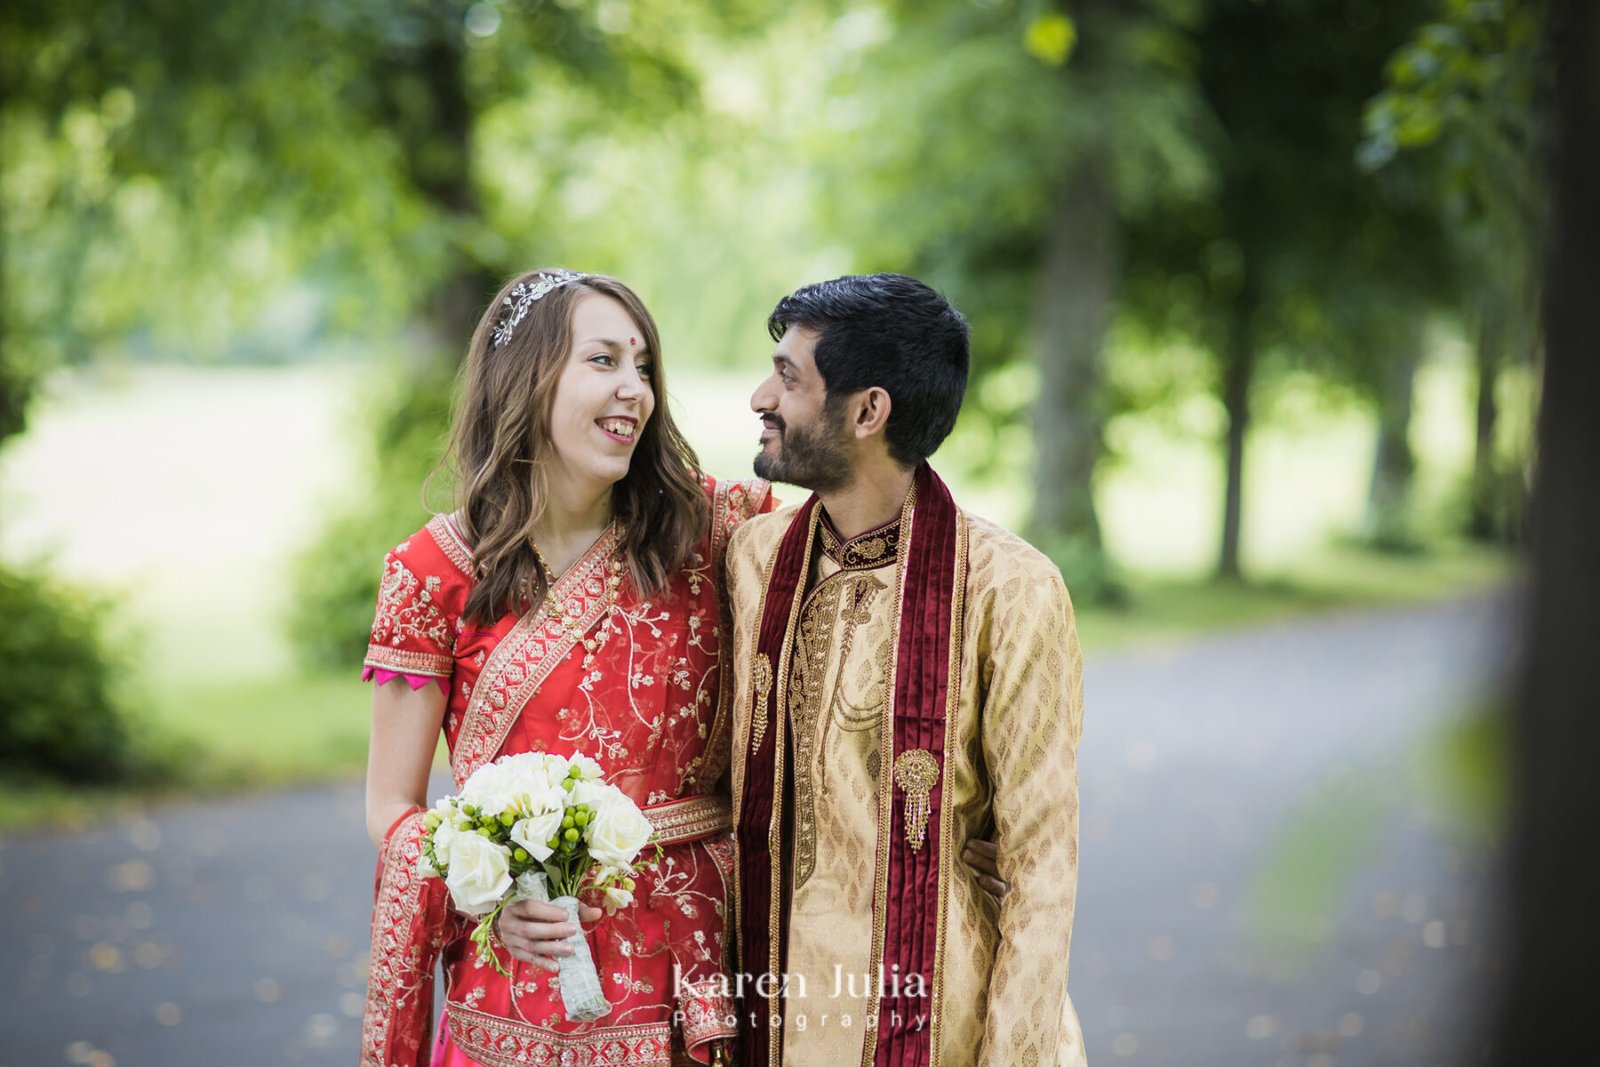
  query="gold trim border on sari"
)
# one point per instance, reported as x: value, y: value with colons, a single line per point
x: 452, y: 542
x: 496, y: 1042
x: 690, y: 818
x: 398, y: 1017
x: 526, y: 656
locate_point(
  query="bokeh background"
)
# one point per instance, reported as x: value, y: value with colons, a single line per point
x: 1254, y: 290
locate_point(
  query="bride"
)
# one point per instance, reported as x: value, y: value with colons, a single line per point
x: 569, y: 604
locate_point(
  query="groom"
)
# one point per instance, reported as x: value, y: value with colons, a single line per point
x: 907, y: 677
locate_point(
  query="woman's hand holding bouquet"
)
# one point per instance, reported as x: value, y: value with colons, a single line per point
x: 541, y: 827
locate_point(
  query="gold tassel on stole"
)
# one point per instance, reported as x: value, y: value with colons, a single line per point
x: 915, y: 772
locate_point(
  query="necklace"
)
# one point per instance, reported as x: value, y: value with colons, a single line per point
x: 571, y: 622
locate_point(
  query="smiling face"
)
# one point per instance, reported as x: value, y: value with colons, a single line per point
x: 804, y: 439
x: 603, y: 398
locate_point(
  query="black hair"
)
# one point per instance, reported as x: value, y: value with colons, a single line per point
x: 890, y: 331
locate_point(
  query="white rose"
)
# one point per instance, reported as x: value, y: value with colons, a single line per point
x: 521, y: 762
x: 444, y: 835
x: 534, y: 772
x: 535, y: 831
x: 617, y: 833
x: 480, y: 873
x: 491, y: 788
x: 588, y: 769
x: 617, y: 897
x: 445, y: 808
x: 598, y: 795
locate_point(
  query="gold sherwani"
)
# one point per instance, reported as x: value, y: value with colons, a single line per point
x: 998, y: 994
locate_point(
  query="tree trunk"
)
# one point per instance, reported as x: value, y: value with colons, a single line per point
x: 437, y: 139
x: 16, y: 386
x: 1238, y: 370
x: 461, y: 296
x: 1074, y: 306
x: 1483, y: 518
x: 1388, y: 523
x: 1551, y: 928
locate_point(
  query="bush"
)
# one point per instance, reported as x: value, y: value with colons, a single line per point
x: 59, y: 713
x: 336, y: 576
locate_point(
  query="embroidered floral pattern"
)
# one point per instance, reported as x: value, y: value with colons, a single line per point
x: 528, y: 654
x: 707, y: 1013
x: 400, y: 975
x: 408, y: 608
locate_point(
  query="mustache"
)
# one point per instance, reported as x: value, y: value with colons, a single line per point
x: 773, y: 421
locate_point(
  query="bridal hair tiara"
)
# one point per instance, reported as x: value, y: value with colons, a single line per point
x: 522, y: 298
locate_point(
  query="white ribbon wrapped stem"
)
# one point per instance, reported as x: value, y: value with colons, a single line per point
x: 580, y: 982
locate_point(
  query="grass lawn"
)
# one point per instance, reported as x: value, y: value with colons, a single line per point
x: 272, y: 730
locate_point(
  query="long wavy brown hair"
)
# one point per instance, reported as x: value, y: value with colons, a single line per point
x: 500, y: 444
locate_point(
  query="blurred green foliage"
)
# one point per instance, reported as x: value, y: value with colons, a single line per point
x: 1462, y: 119
x: 1298, y: 260
x: 336, y: 577
x: 1150, y: 206
x: 1075, y: 175
x: 62, y: 713
x: 998, y: 150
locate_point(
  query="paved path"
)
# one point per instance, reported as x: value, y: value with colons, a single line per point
x: 1266, y: 880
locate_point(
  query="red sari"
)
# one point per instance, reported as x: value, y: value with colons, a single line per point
x: 635, y: 683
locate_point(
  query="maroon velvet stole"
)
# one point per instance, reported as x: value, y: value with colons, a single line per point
x: 931, y: 574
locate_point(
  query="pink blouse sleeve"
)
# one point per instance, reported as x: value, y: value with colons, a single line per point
x: 379, y: 676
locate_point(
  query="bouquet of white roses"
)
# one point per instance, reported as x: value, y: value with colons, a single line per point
x: 542, y: 827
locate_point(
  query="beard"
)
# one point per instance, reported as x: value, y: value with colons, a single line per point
x: 814, y: 455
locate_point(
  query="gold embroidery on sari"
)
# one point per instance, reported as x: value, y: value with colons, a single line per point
x: 706, y: 1011
x: 497, y: 1042
x: 397, y: 976
x: 408, y: 607
x: 405, y: 661
x: 690, y: 818
x: 453, y: 543
x: 522, y: 661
